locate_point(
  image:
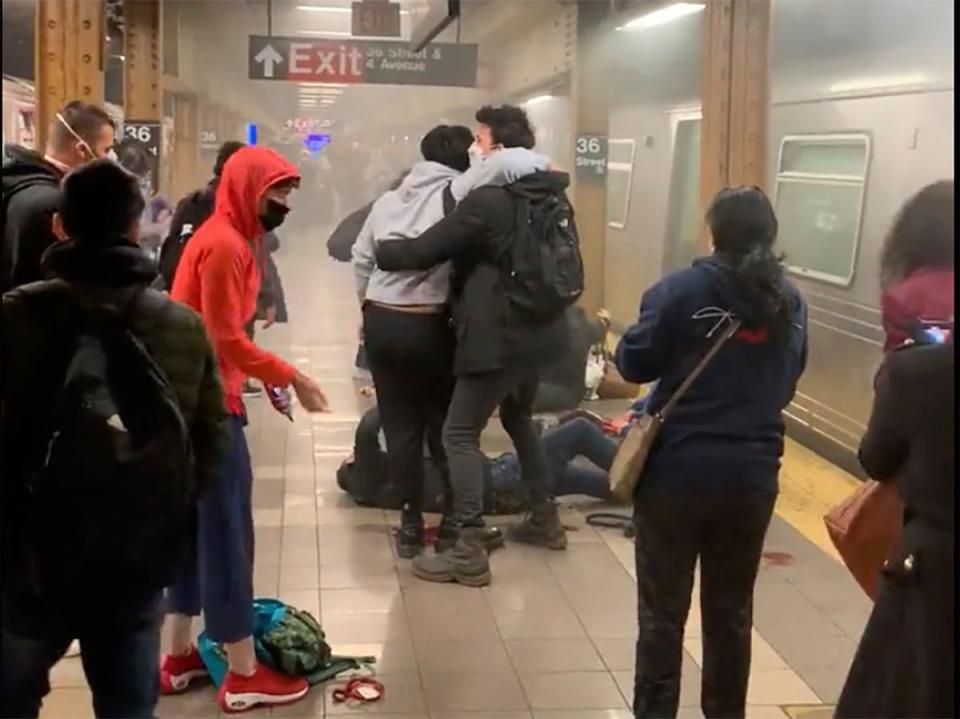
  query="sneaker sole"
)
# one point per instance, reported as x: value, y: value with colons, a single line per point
x: 556, y: 543
x: 179, y: 683
x: 467, y: 580
x: 239, y: 703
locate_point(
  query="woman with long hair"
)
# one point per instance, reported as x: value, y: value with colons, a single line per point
x: 708, y: 488
x: 917, y: 265
x: 906, y: 663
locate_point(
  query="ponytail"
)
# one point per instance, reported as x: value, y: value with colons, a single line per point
x: 744, y: 227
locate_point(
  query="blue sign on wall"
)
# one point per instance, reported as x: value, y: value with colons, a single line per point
x: 315, y: 142
x: 251, y: 133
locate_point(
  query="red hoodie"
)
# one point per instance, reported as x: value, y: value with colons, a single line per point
x: 218, y: 274
x: 923, y: 295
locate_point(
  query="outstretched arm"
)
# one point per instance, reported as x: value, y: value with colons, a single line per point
x: 458, y: 236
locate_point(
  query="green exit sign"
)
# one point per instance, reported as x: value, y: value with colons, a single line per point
x: 376, y: 18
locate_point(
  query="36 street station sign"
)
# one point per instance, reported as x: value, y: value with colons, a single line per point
x: 371, y: 62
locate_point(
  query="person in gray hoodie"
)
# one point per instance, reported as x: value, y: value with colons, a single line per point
x: 406, y: 321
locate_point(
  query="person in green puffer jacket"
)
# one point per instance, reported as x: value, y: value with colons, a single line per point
x: 100, y: 264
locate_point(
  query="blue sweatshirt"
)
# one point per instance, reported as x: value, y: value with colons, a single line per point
x: 728, y: 429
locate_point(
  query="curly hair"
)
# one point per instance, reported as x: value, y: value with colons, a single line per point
x: 922, y: 235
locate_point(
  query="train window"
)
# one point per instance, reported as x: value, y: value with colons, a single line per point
x: 620, y: 155
x: 819, y: 201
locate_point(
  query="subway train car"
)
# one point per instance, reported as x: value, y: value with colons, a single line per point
x: 861, y: 117
x: 19, y: 112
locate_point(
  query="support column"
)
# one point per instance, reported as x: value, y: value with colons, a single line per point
x: 68, y: 58
x: 734, y: 76
x: 185, y: 143
x: 591, y: 114
x: 143, y: 68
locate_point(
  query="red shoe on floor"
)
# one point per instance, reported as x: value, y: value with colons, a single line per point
x: 176, y: 673
x: 263, y: 687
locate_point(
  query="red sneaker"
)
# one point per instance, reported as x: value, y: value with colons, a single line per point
x: 176, y: 673
x: 264, y: 686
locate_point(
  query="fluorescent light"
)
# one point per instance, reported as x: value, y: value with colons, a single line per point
x: 879, y: 83
x: 538, y: 99
x: 326, y: 33
x: 327, y: 8
x: 663, y: 15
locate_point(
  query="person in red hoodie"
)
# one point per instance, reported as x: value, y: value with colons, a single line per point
x: 917, y: 266
x: 218, y: 276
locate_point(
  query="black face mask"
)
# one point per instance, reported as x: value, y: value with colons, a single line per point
x: 274, y: 215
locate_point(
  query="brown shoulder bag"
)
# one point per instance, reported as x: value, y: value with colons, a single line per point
x: 633, y: 451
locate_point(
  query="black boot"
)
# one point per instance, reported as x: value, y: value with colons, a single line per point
x: 409, y: 538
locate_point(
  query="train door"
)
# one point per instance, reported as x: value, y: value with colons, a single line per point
x: 682, y: 241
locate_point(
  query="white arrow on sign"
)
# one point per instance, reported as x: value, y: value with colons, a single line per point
x: 268, y: 57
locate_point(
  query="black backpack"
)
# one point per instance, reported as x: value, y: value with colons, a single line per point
x: 192, y: 211
x: 113, y: 501
x: 545, y: 266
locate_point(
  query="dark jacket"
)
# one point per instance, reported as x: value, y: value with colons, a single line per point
x: 732, y: 413
x: 563, y: 382
x: 906, y: 663
x: 33, y: 185
x: 38, y: 343
x: 364, y: 477
x: 477, y: 237
x: 344, y: 237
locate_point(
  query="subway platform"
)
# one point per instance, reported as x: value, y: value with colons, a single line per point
x: 553, y: 636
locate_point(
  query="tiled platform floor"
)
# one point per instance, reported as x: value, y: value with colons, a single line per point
x: 551, y: 638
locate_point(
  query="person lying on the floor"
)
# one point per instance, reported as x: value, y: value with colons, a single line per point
x: 580, y: 434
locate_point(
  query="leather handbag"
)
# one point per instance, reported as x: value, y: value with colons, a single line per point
x: 632, y: 454
x: 866, y: 529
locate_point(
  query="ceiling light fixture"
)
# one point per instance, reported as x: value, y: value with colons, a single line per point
x: 663, y: 15
x: 862, y: 84
x: 538, y: 99
x: 327, y: 8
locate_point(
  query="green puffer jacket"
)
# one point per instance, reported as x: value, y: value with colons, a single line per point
x: 39, y: 316
x: 37, y: 342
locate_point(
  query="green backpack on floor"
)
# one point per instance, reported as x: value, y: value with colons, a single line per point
x: 288, y: 640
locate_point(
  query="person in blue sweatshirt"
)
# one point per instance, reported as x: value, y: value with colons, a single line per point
x: 708, y: 489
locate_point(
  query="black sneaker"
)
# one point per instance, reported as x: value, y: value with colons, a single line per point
x: 409, y: 537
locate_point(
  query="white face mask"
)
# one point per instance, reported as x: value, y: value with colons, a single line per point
x: 476, y: 154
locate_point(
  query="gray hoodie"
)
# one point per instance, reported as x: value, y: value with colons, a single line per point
x: 413, y: 208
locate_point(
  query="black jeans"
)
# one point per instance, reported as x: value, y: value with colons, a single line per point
x: 475, y: 397
x: 120, y: 655
x: 411, y: 360
x: 725, y: 530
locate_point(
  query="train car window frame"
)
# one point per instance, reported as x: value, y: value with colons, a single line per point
x: 824, y: 179
x: 619, y: 221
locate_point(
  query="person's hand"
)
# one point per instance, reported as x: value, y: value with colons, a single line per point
x: 271, y: 316
x: 310, y: 395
